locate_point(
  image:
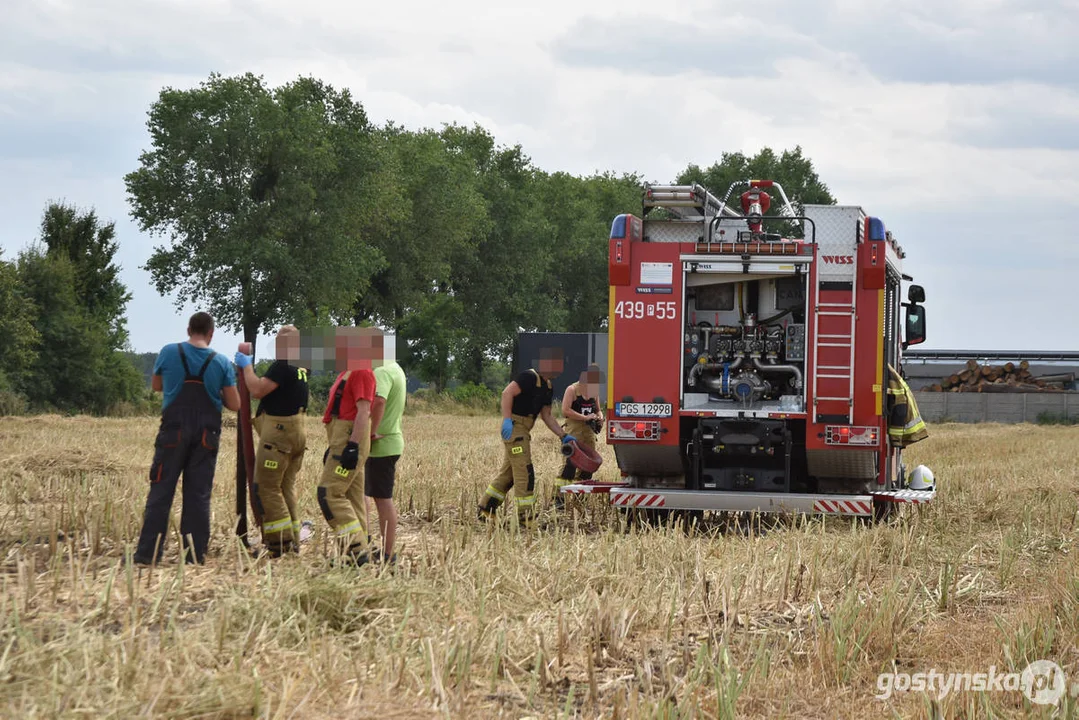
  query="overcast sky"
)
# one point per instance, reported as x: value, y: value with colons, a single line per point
x: 956, y: 123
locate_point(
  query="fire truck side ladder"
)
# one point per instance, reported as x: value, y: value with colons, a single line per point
x: 834, y: 340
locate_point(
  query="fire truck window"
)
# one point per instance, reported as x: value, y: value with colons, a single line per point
x: 790, y: 293
x: 715, y: 297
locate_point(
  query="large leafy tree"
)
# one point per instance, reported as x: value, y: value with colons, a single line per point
x: 580, y: 212
x: 91, y: 247
x: 70, y: 284
x: 77, y: 368
x: 503, y: 285
x: 441, y: 214
x: 793, y: 170
x: 265, y: 196
x: 19, y: 338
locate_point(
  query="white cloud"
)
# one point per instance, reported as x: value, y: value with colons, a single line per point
x: 954, y: 122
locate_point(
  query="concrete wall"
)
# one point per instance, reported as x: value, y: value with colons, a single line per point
x: 996, y: 407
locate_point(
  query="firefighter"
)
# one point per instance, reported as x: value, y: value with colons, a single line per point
x: 584, y: 420
x: 196, y: 382
x: 279, y: 423
x: 905, y: 424
x: 524, y: 399
x: 348, y: 433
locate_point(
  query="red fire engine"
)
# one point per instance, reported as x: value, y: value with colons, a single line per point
x: 749, y: 354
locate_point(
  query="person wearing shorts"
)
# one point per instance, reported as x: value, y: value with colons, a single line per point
x: 387, y: 444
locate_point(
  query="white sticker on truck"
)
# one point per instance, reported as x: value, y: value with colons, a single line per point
x: 657, y: 273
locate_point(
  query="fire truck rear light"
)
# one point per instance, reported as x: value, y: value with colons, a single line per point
x: 633, y: 430
x: 865, y: 435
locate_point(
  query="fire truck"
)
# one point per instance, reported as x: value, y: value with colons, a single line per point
x: 749, y: 355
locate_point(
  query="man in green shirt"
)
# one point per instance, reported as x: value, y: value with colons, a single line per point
x: 387, y: 443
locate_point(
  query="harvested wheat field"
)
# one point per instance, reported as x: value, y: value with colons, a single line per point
x: 586, y: 617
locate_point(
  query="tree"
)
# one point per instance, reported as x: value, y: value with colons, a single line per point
x: 580, y: 212
x: 91, y: 247
x: 265, y: 196
x: 19, y: 339
x: 428, y: 336
x: 77, y: 369
x: 144, y: 363
x: 503, y: 284
x: 442, y: 214
x: 792, y: 170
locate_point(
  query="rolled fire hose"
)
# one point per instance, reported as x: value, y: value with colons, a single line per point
x: 245, y: 457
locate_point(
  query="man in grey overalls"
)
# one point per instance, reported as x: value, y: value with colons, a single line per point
x: 187, y: 440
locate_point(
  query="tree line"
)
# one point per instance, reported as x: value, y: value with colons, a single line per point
x: 288, y: 205
x: 63, y: 330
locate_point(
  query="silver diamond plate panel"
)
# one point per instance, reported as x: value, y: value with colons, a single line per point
x: 842, y: 463
x: 837, y: 228
x: 673, y: 231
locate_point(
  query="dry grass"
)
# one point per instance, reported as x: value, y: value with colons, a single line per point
x: 586, y: 618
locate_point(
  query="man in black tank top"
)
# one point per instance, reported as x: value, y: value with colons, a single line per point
x: 282, y: 441
x: 584, y: 420
x: 527, y: 397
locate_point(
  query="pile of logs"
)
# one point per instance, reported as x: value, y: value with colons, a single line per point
x: 1007, y: 378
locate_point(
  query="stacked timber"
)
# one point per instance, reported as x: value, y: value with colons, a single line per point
x: 1006, y: 378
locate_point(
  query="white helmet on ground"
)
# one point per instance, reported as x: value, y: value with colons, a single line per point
x: 922, y: 479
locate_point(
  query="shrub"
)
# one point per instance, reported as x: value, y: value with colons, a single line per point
x: 472, y: 394
x: 12, y: 403
x: 1048, y: 418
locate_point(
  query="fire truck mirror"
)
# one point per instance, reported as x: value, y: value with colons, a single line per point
x: 916, y: 294
x: 915, y: 325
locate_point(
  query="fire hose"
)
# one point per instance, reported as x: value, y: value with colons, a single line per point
x: 245, y: 459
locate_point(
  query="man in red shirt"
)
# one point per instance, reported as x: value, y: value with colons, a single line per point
x: 348, y: 432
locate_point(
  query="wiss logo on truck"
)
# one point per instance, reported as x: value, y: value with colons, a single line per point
x: 753, y: 359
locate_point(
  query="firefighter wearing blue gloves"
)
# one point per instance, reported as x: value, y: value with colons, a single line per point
x: 527, y: 397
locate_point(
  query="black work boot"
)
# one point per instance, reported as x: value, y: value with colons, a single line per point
x: 487, y: 511
x: 380, y: 557
x: 357, y: 555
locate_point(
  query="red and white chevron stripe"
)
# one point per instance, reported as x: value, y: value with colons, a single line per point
x: 843, y: 507
x: 638, y: 500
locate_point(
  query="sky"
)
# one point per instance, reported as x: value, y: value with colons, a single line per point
x: 955, y: 123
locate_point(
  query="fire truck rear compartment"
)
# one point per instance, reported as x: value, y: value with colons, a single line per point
x: 731, y: 454
x: 744, y: 343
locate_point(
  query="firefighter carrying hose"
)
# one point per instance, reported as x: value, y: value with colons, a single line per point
x: 282, y: 441
x: 584, y: 421
x: 524, y: 399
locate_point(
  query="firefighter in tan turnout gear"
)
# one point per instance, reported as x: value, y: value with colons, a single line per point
x: 282, y: 441
x: 524, y: 399
x: 348, y: 433
x: 584, y: 421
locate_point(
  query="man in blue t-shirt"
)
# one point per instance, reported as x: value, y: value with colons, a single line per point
x: 196, y: 382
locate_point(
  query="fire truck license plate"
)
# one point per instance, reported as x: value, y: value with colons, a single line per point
x: 642, y: 409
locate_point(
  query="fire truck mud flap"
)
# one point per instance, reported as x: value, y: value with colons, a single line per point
x: 849, y: 505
